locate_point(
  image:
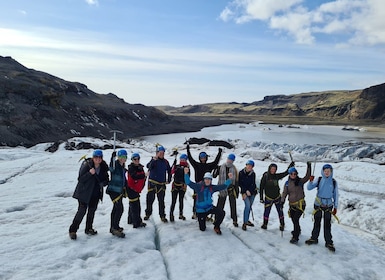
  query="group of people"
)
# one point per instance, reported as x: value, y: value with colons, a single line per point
x: 129, y: 182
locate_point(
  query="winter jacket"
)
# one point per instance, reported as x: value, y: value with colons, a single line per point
x: 247, y: 182
x: 327, y: 193
x: 118, y: 178
x: 204, y: 193
x: 136, y: 177
x: 201, y: 168
x: 91, y: 185
x: 294, y: 188
x: 158, y: 169
x: 269, y: 184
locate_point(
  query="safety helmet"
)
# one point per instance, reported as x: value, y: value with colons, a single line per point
x: 160, y: 149
x: 183, y: 156
x: 122, y: 153
x: 202, y: 155
x: 231, y: 157
x: 97, y: 153
x: 292, y: 170
x: 327, y: 166
x: 208, y: 176
x: 135, y: 155
x: 250, y: 162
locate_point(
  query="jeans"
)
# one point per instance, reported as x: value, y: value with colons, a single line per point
x: 248, y: 203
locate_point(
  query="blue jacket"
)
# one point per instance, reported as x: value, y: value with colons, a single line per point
x: 327, y: 194
x: 158, y: 169
x: 118, y: 178
x: 246, y: 181
x: 204, y: 193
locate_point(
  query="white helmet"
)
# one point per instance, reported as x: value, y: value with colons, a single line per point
x: 208, y: 176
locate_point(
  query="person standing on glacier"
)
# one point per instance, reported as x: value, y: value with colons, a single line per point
x: 325, y: 204
x: 270, y: 188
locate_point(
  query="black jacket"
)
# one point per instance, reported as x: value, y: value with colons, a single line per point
x: 88, y: 183
x: 201, y: 168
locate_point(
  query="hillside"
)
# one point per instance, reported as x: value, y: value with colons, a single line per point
x: 37, y: 107
x: 356, y: 106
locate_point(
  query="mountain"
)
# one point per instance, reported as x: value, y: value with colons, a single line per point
x: 355, y: 106
x: 37, y: 107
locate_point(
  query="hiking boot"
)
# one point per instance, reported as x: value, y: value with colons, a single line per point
x: 73, y: 235
x: 244, y: 226
x: 140, y: 225
x: 164, y: 219
x: 264, y: 226
x: 235, y: 224
x: 294, y: 240
x: 146, y: 217
x: 172, y: 218
x: 118, y: 233
x: 311, y: 241
x: 120, y: 229
x: 217, y: 230
x: 250, y: 224
x: 91, y: 231
x: 330, y: 246
x: 181, y: 217
x: 282, y: 227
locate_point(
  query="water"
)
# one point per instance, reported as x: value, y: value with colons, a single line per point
x: 269, y: 133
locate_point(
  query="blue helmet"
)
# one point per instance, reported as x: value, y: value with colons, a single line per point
x: 327, y: 166
x: 250, y: 162
x: 208, y: 176
x: 231, y: 157
x: 160, y: 149
x: 122, y: 153
x: 292, y: 170
x: 135, y: 155
x: 97, y: 153
x: 202, y: 155
x: 183, y: 156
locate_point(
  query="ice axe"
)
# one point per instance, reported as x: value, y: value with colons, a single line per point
x: 291, y: 156
x: 82, y: 158
x: 315, y: 161
x: 115, y: 131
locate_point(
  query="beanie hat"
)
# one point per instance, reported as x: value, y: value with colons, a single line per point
x: 97, y: 153
x: 122, y: 153
x: 231, y: 157
x: 208, y: 176
x: 250, y: 162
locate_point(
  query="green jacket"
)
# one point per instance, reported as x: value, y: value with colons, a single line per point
x: 269, y: 184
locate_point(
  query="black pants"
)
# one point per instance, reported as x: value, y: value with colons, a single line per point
x: 219, y: 216
x: 159, y: 190
x: 82, y: 209
x: 117, y: 210
x: 327, y: 215
x: 233, y: 205
x: 177, y: 191
x: 295, y: 215
x: 134, y: 208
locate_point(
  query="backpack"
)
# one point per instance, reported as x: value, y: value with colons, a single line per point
x: 136, y: 185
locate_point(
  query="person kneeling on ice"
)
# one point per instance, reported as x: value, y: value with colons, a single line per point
x: 294, y: 189
x: 326, y: 202
x: 204, y: 204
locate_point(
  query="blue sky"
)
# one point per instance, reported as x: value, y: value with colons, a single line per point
x: 179, y: 52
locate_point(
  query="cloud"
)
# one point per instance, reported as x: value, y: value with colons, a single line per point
x: 359, y: 22
x: 92, y: 2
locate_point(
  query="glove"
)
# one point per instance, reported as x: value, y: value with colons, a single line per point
x: 334, y: 212
x: 291, y: 164
x: 311, y: 179
x: 113, y: 154
x: 220, y: 150
x: 308, y: 163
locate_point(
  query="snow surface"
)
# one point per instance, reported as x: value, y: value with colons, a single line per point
x: 37, y: 209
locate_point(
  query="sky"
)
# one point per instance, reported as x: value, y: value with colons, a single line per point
x: 178, y: 53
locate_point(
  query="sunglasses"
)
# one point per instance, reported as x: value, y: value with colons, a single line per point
x: 136, y: 159
x: 293, y: 173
